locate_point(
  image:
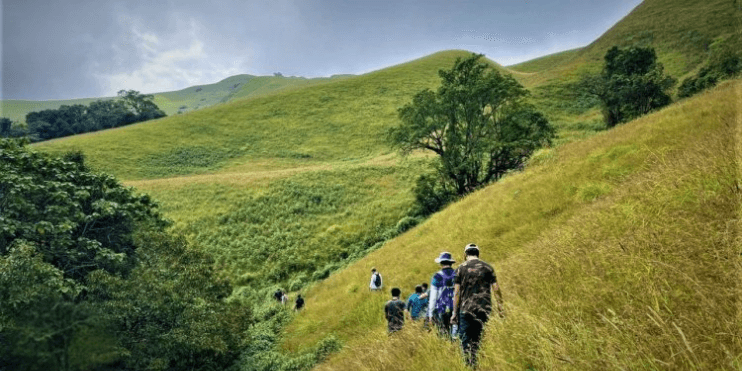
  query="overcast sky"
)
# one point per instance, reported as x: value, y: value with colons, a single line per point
x: 63, y: 49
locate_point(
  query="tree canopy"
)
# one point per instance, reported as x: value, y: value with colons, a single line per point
x: 631, y: 84
x: 128, y: 108
x: 90, y: 279
x: 477, y: 122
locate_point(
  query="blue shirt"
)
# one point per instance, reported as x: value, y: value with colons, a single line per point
x: 414, y: 305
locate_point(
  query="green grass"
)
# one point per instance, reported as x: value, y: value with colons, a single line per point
x: 616, y: 252
x: 288, y: 186
x: 339, y: 120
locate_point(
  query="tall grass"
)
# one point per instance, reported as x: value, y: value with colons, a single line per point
x: 618, y: 252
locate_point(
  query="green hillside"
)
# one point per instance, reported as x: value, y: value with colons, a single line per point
x: 681, y: 32
x: 615, y: 248
x: 180, y: 101
x: 617, y: 252
x: 302, y: 178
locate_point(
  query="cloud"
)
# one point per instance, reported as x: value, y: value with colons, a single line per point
x: 469, y: 35
x: 164, y: 61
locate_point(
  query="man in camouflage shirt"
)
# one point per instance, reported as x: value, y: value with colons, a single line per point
x: 472, y: 301
x: 394, y: 312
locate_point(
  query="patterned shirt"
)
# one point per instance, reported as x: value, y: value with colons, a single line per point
x: 394, y: 313
x: 475, y: 293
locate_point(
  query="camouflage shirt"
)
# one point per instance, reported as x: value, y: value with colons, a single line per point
x: 475, y: 293
x: 394, y: 313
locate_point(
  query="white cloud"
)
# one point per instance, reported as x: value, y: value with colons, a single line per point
x: 167, y: 61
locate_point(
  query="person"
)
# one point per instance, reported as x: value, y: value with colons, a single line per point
x: 440, y: 299
x: 278, y: 295
x: 424, y: 297
x: 284, y: 298
x: 299, y: 303
x: 415, y: 304
x: 376, y: 281
x: 474, y: 284
x: 394, y: 312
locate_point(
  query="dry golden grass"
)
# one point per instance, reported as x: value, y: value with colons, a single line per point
x: 618, y: 252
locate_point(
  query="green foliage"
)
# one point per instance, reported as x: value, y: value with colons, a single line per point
x: 430, y: 195
x: 142, y: 105
x: 171, y: 314
x: 724, y: 62
x: 102, y: 114
x: 477, y: 123
x: 79, y: 221
x: 89, y: 279
x: 632, y: 84
x: 38, y: 316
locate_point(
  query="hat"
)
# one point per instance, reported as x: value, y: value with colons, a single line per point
x: 470, y: 246
x: 445, y: 257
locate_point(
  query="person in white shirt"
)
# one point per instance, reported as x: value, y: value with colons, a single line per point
x: 376, y: 281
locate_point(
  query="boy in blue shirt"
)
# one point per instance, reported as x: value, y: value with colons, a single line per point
x: 415, y: 304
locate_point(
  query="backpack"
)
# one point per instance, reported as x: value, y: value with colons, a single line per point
x: 377, y: 280
x: 444, y: 302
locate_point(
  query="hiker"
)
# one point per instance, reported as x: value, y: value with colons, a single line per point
x: 376, y: 281
x: 284, y: 298
x: 474, y: 284
x: 299, y: 303
x: 424, y: 297
x: 440, y: 300
x: 278, y: 295
x: 415, y: 304
x: 394, y: 312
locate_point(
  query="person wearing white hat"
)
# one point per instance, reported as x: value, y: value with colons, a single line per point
x: 440, y: 301
x: 474, y: 284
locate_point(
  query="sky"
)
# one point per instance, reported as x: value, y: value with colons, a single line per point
x: 64, y: 49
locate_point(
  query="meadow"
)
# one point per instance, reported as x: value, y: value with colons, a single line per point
x: 617, y: 252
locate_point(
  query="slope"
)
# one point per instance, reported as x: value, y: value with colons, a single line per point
x: 681, y: 32
x: 337, y: 120
x: 285, y: 187
x: 179, y: 101
x: 617, y: 252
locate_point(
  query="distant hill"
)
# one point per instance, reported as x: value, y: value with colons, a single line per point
x: 180, y: 101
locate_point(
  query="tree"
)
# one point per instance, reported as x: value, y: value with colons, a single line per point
x: 141, y: 105
x: 478, y: 124
x: 724, y: 62
x: 632, y: 84
x: 90, y: 279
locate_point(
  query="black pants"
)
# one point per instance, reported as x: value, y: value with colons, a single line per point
x: 470, y: 332
x: 443, y: 323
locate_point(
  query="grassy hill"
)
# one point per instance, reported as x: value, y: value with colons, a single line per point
x: 681, y: 32
x: 180, y: 101
x: 615, y: 249
x: 617, y: 252
x: 288, y: 186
